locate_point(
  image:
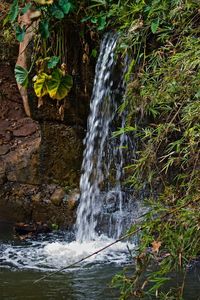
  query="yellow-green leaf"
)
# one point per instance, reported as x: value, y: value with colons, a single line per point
x: 44, y: 2
x: 59, y: 85
x: 40, y: 85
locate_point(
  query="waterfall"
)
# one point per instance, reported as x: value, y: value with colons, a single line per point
x: 106, y: 207
x: 103, y: 159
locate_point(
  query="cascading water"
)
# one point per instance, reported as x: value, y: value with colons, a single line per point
x: 103, y: 157
x: 105, y: 209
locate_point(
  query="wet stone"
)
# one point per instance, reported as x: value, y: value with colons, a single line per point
x: 57, y: 196
x: 4, y: 149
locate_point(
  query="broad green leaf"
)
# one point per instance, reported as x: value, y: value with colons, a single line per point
x: 40, y: 85
x: 154, y: 25
x: 21, y: 75
x: 57, y: 12
x: 101, y: 23
x: 59, y: 85
x: 53, y: 61
x: 66, y: 6
x: 26, y: 8
x: 44, y: 29
x: 20, y: 33
x: 13, y: 13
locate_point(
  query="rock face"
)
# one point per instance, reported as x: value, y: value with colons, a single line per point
x: 47, y: 203
x: 61, y: 152
x: 40, y: 157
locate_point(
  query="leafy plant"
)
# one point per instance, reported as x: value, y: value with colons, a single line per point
x: 21, y: 75
x: 57, y: 85
x: 49, y: 81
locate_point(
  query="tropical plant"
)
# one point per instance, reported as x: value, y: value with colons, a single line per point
x: 50, y: 79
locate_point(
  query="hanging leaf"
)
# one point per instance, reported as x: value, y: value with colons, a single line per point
x: 13, y: 13
x: 20, y: 33
x: 101, y: 23
x: 154, y: 25
x: 59, y: 85
x: 66, y: 6
x: 53, y: 61
x: 44, y: 29
x: 57, y: 12
x: 21, y: 75
x: 40, y: 85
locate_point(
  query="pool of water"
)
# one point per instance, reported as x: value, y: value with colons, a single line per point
x: 24, y: 262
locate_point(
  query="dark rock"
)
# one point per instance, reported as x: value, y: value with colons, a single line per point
x: 61, y: 152
x: 25, y: 130
x: 31, y: 204
x: 22, y: 164
x: 33, y: 229
x: 4, y: 149
x: 57, y: 196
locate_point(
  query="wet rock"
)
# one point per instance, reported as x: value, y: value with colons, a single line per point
x: 4, y: 149
x: 61, y: 154
x: 32, y: 203
x: 73, y: 200
x: 22, y: 164
x: 31, y: 229
x: 4, y: 126
x: 37, y: 197
x: 57, y: 196
x: 2, y: 172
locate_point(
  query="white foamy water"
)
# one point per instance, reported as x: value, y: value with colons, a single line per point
x: 47, y: 255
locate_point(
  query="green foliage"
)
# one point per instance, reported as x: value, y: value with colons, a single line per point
x: 46, y: 56
x: 55, y: 226
x: 13, y: 13
x: 53, y: 61
x: 163, y: 100
x: 44, y: 29
x: 21, y: 75
x: 20, y: 33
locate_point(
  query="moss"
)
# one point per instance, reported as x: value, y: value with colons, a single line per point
x: 60, y: 154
